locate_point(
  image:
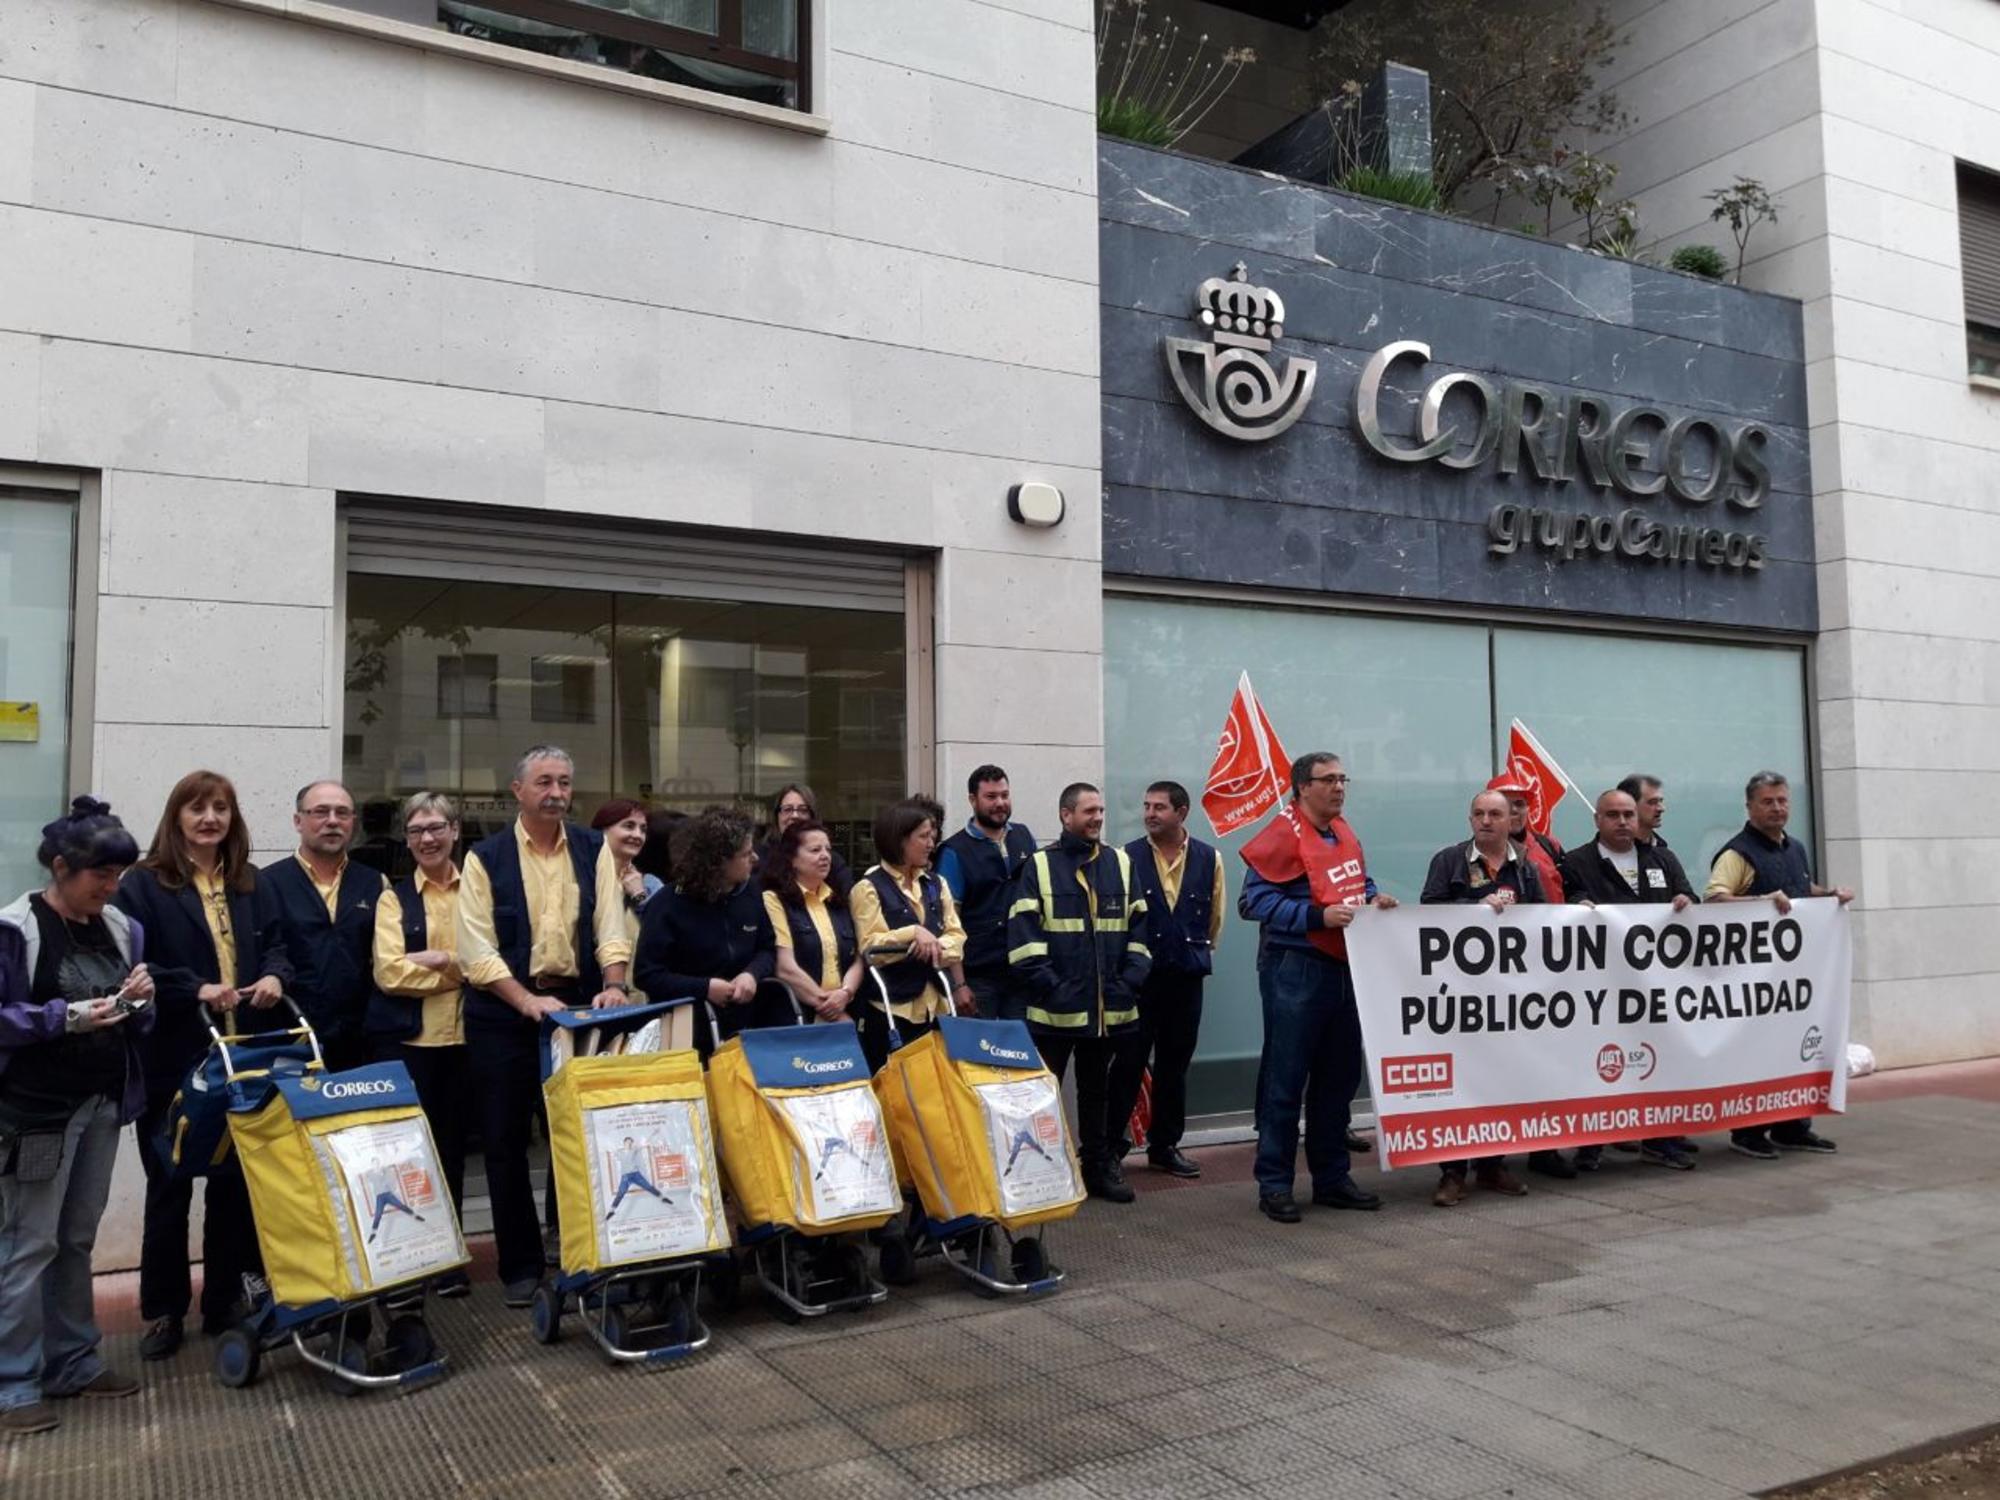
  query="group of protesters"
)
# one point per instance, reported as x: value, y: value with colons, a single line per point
x: 115, y: 972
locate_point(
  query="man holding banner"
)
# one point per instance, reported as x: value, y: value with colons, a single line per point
x: 1308, y: 876
x: 1491, y: 870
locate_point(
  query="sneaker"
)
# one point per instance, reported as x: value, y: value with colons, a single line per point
x: 1666, y: 1154
x: 1497, y: 1179
x: 105, y: 1385
x: 35, y: 1416
x: 1804, y: 1140
x: 162, y: 1338
x: 1280, y: 1208
x: 1551, y: 1164
x: 1107, y: 1181
x: 522, y: 1293
x: 1757, y: 1147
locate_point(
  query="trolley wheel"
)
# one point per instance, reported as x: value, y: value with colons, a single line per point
x: 351, y: 1356
x: 545, y: 1314
x: 238, y: 1353
x: 986, y: 1244
x: 853, y: 1264
x: 407, y: 1343
x: 676, y: 1316
x: 784, y: 1311
x: 899, y: 1261
x: 1031, y: 1261
x: 618, y: 1324
x: 725, y: 1284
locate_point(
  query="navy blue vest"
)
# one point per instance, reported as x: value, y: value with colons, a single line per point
x: 806, y: 950
x: 332, y: 959
x: 1177, y: 936
x: 397, y: 1018
x: 907, y: 979
x: 514, y: 927
x: 991, y: 880
x: 1779, y: 867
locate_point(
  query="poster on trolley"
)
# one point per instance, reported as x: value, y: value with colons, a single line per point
x: 1541, y: 1027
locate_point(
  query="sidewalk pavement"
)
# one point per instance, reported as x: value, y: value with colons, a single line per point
x: 1641, y: 1334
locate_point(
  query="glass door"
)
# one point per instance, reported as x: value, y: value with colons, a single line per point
x: 37, y: 587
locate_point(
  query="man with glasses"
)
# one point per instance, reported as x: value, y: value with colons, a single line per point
x: 326, y: 914
x: 1308, y: 877
x: 541, y: 928
x: 416, y: 1014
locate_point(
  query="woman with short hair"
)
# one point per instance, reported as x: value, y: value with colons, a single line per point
x: 216, y: 951
x: 707, y: 938
x: 75, y: 998
x: 908, y: 929
x: 818, y: 954
x: 417, y: 1014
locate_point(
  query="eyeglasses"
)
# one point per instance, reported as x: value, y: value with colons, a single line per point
x: 418, y: 832
x: 1336, y: 779
x: 327, y: 814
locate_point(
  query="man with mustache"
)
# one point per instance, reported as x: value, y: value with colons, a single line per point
x: 541, y: 927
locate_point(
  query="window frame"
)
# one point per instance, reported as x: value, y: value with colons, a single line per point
x: 726, y: 46
x: 1979, y: 269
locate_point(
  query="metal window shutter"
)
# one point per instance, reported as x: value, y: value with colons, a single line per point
x: 1979, y: 243
x: 560, y: 551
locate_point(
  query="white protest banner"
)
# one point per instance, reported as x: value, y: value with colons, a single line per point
x: 1547, y: 1026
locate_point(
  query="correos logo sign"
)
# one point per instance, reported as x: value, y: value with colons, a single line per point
x: 1005, y: 1054
x: 357, y: 1088
x: 837, y: 1065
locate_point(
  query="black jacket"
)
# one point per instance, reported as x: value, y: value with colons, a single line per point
x: 685, y: 942
x: 332, y: 959
x: 1453, y: 879
x: 180, y: 955
x: 1081, y: 966
x: 1588, y: 876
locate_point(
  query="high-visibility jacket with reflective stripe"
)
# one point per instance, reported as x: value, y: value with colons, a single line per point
x: 1076, y: 937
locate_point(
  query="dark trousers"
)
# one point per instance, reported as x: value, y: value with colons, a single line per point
x: 1780, y: 1130
x: 228, y: 1234
x: 344, y: 1050
x: 504, y: 1074
x: 1311, y: 1059
x: 1103, y: 1104
x: 440, y: 1076
x: 1169, y: 1025
x: 874, y: 1029
x: 998, y: 996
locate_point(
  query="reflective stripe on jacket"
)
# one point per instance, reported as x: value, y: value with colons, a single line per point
x: 1076, y: 937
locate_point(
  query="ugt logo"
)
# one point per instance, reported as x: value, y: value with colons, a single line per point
x: 1228, y: 382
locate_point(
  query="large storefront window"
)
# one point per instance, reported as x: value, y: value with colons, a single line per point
x: 1419, y: 709
x: 37, y: 552
x: 680, y: 702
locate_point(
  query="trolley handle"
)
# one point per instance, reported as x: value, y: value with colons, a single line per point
x: 221, y: 1040
x: 878, y: 959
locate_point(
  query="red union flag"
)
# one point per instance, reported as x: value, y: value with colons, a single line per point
x: 1251, y: 769
x: 1536, y: 770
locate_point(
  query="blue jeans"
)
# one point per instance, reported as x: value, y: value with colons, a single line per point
x: 1312, y: 1058
x: 48, y: 1320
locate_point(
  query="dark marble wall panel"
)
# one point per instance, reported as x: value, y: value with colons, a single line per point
x: 1315, y: 508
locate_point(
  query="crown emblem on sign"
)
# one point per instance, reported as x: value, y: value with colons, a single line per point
x: 1243, y: 316
x: 1227, y: 380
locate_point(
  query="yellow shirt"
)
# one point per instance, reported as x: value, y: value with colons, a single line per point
x: 822, y: 920
x: 1732, y: 875
x: 215, y: 906
x: 330, y: 894
x: 874, y: 932
x: 1171, y: 869
x: 442, y: 1023
x: 549, y: 883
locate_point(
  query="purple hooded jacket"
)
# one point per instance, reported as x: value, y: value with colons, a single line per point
x: 25, y: 1025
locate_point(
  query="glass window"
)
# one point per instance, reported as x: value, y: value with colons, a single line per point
x: 1420, y: 720
x: 748, y: 50
x: 680, y: 702
x: 37, y: 552
x: 1403, y: 702
x: 1698, y: 714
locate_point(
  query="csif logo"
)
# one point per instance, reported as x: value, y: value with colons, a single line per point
x: 836, y: 1065
x: 357, y: 1088
x: 1011, y: 1054
x: 1809, y: 1045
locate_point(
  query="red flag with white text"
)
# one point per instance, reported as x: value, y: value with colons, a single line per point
x: 1251, y: 770
x: 1536, y: 770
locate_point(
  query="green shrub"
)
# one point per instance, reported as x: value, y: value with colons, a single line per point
x: 1131, y: 120
x: 1412, y: 189
x: 1700, y: 260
